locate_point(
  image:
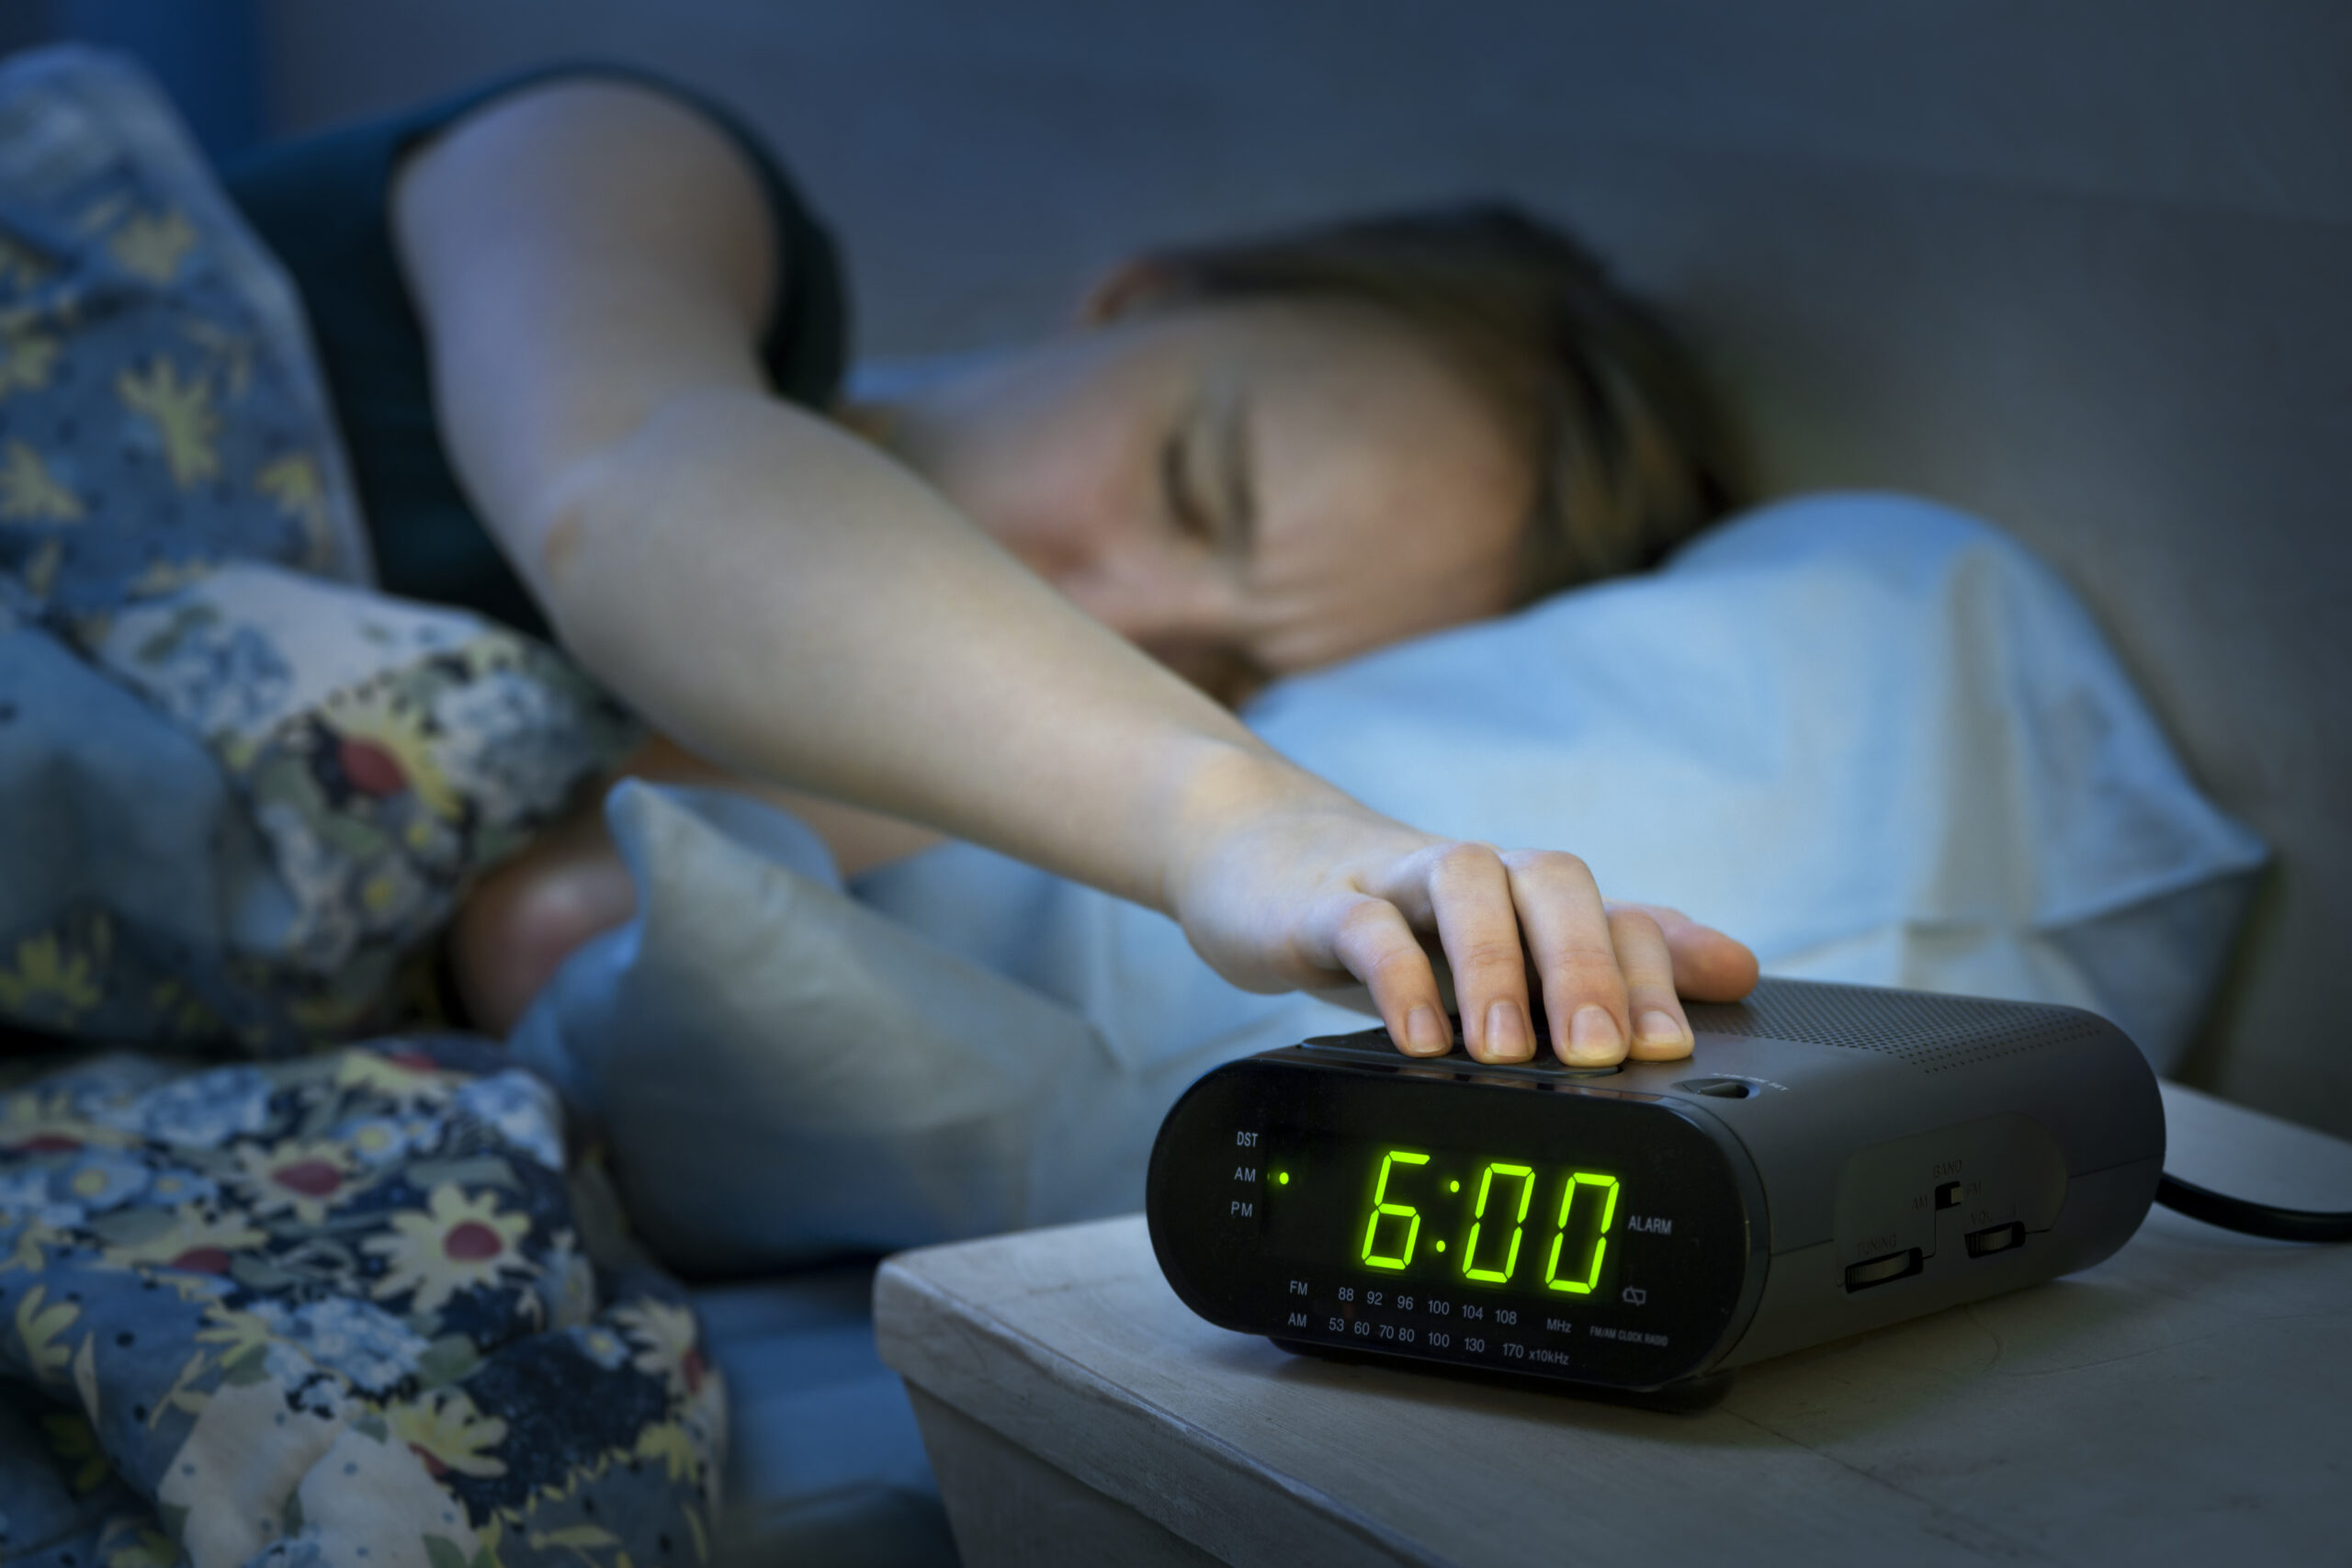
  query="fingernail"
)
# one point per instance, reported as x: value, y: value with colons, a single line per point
x: 1427, y: 1032
x: 1507, y: 1036
x: 1660, y: 1029
x: 1592, y: 1036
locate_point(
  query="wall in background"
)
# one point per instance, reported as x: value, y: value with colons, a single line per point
x: 2075, y: 267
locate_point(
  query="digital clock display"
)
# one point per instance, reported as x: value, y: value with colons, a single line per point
x: 1477, y: 1221
x: 1527, y: 1224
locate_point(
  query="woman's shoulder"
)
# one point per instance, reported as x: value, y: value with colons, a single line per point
x: 584, y: 155
x: 378, y: 141
x: 321, y: 202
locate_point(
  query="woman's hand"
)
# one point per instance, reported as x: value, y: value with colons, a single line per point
x: 1283, y: 883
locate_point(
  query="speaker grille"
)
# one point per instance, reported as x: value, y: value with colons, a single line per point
x: 1930, y: 1031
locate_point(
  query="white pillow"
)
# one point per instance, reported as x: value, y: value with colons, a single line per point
x: 781, y: 1075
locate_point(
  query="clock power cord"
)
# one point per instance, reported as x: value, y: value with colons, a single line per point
x: 2250, y: 1218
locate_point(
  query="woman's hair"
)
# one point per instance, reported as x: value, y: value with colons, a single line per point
x: 1629, y: 455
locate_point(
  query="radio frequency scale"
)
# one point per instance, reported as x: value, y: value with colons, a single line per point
x: 1829, y: 1160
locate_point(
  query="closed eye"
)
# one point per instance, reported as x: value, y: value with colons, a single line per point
x: 1184, y: 503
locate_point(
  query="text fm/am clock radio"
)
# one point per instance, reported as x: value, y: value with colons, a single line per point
x: 1829, y: 1160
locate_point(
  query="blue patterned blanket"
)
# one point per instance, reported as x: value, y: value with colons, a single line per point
x: 329, y: 1303
x: 345, y: 1307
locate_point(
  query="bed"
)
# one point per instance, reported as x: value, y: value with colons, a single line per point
x: 2077, y: 276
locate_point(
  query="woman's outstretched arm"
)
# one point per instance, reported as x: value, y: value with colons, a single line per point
x: 593, y: 264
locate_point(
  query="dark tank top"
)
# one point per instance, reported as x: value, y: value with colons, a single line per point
x: 321, y: 203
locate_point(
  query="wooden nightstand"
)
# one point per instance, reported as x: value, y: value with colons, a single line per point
x: 2188, y: 1401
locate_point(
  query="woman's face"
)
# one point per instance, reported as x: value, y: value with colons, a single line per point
x: 1243, y: 490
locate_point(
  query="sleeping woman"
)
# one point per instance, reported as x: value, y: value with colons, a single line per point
x: 1016, y: 603
x: 585, y: 348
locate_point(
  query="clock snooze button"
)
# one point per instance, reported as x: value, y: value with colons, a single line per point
x: 1373, y: 1047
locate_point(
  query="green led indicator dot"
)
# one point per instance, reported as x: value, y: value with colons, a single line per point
x: 1453, y: 1186
x: 1281, y: 1178
x: 1440, y: 1247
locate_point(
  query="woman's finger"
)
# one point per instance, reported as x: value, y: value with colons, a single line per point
x: 1661, y: 1029
x: 1477, y: 924
x: 1372, y: 939
x: 1708, y: 966
x: 1576, y: 959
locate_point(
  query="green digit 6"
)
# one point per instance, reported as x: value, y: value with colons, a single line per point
x: 1380, y: 1206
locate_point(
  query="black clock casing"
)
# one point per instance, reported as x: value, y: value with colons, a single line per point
x: 1829, y: 1160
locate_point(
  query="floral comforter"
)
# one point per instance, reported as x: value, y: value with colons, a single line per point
x: 325, y: 1303
x: 344, y: 1308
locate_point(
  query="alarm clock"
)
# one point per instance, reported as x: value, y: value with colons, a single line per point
x: 1828, y: 1159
